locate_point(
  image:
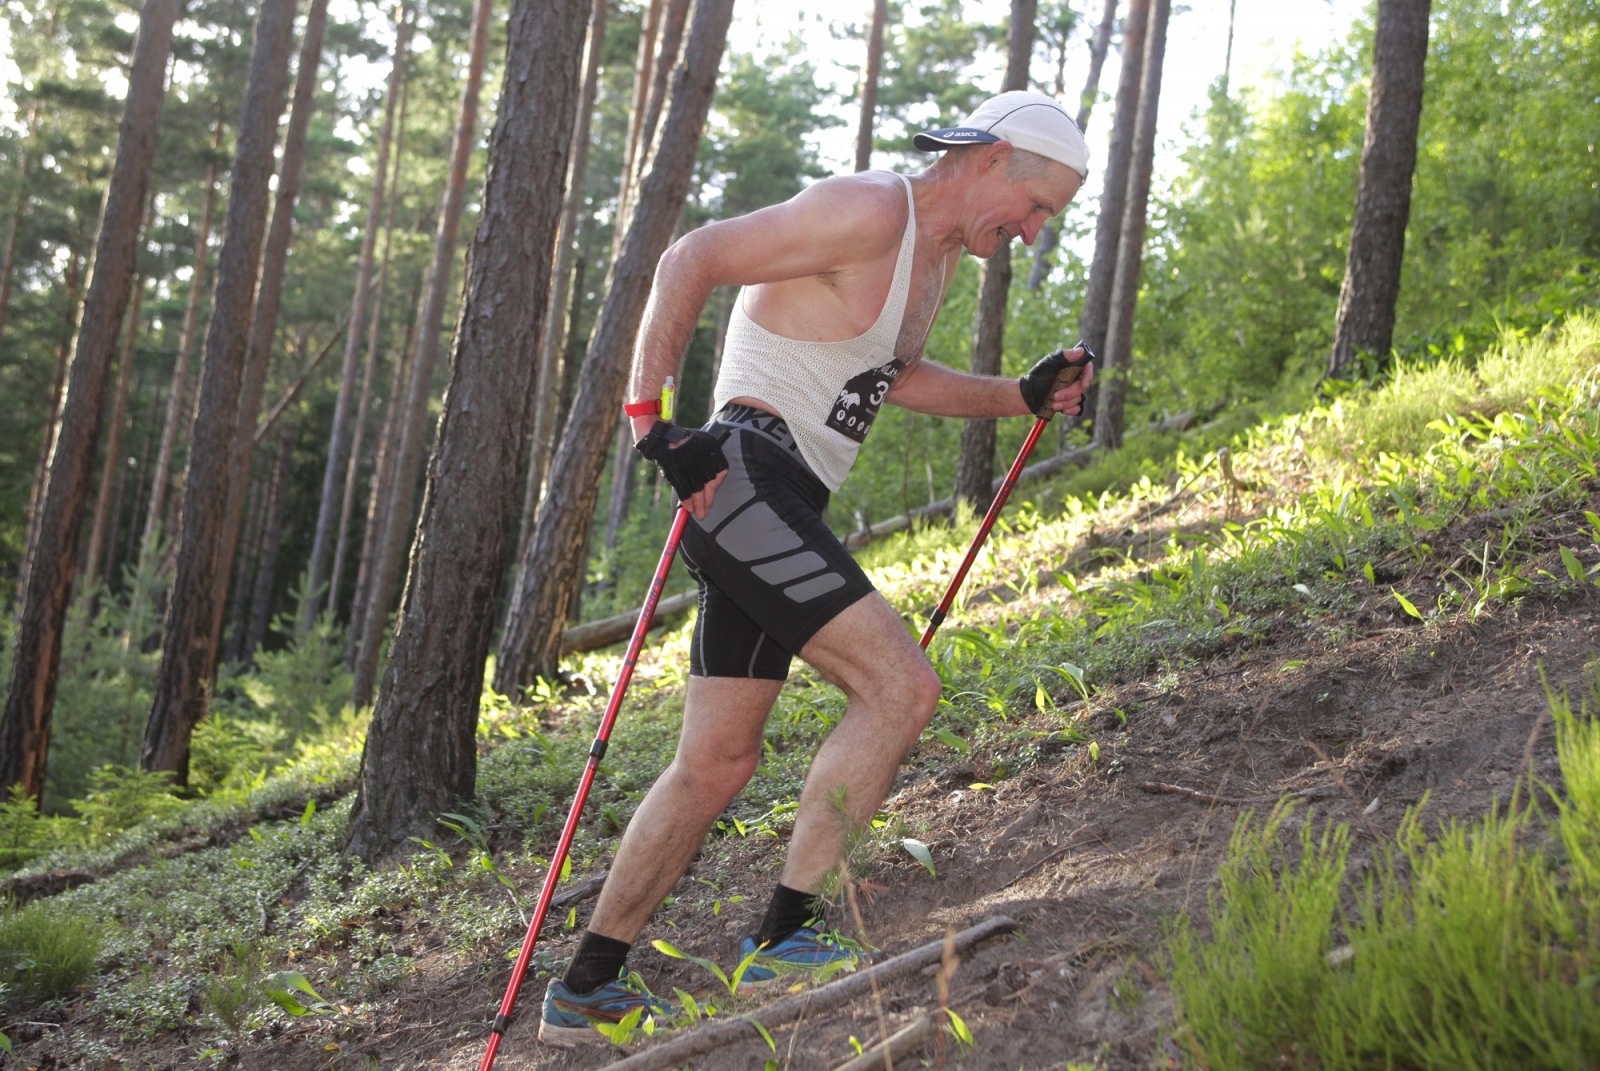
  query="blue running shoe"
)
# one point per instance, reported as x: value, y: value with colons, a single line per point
x: 569, y: 1018
x: 807, y: 951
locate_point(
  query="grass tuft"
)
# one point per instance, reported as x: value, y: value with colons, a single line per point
x: 45, y: 954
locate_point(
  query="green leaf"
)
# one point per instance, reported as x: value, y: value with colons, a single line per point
x: 1094, y: 751
x: 1041, y: 698
x: 5, y: 1043
x: 666, y: 948
x: 951, y: 740
x: 1366, y: 571
x: 919, y: 851
x: 765, y: 1036
x: 1293, y: 663
x: 691, y: 1007
x: 855, y: 1043
x: 566, y: 868
x: 1405, y: 604
x: 282, y: 988
x: 1574, y: 566
x: 306, y: 815
x: 958, y: 1027
x: 622, y: 1032
x: 572, y: 918
x: 979, y: 786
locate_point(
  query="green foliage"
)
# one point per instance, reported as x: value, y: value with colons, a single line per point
x: 234, y: 993
x: 120, y: 798
x: 1470, y: 949
x: 46, y: 952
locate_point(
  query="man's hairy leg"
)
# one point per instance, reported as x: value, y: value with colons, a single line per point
x: 892, y: 691
x: 718, y: 749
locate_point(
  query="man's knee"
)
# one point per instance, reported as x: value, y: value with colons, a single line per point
x: 715, y: 779
x: 922, y: 697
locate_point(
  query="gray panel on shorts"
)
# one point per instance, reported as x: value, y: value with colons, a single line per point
x: 795, y: 565
x: 735, y: 491
x: 758, y: 532
x: 807, y: 590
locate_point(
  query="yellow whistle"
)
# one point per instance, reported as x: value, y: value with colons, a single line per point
x: 669, y: 400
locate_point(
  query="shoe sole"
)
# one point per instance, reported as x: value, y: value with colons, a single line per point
x: 567, y: 1037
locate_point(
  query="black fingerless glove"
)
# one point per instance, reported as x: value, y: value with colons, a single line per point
x: 1040, y: 382
x: 689, y: 458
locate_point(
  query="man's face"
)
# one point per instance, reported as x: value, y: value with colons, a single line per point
x: 1018, y: 207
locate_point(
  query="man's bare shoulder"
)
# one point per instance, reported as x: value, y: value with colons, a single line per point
x: 868, y: 207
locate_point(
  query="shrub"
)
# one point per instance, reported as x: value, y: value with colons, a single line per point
x: 120, y: 798
x: 45, y: 954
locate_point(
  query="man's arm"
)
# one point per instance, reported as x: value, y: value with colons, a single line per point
x: 928, y: 387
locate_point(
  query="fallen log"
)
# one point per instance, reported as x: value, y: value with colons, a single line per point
x: 593, y: 635
x: 906, y: 1040
x: 675, y: 1051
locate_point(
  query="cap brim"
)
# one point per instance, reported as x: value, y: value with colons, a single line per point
x: 952, y: 136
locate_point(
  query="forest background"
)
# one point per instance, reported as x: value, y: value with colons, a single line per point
x: 1246, y: 250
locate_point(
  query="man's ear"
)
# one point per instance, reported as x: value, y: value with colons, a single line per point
x: 996, y: 153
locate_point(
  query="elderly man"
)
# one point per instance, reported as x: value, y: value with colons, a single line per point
x: 840, y: 286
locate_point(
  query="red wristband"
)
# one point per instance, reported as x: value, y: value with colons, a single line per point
x: 638, y: 409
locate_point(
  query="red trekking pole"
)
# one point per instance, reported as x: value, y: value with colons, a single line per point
x: 1064, y: 379
x: 597, y: 752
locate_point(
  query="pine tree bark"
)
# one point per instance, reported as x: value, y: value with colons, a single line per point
x: 271, y: 543
x: 624, y: 477
x: 554, y: 563
x: 109, y: 467
x: 189, y: 647
x: 1097, y: 61
x: 421, y: 750
x: 1118, y: 351
x: 369, y: 366
x: 269, y: 294
x: 330, y: 500
x: 408, y: 459
x: 870, y: 76
x: 25, y: 725
x: 975, y: 465
x: 381, y: 486
x: 243, y: 584
x: 1096, y: 315
x: 557, y: 322
x: 178, y: 394
x: 673, y: 21
x: 1383, y: 193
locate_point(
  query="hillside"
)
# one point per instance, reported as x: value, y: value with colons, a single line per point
x: 1364, y: 633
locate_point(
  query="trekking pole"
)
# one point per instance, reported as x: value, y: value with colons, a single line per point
x: 1064, y: 379
x: 597, y: 751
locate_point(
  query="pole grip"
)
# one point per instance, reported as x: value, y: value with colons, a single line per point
x: 1064, y: 379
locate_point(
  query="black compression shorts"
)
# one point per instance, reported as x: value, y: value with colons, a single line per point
x: 771, y: 573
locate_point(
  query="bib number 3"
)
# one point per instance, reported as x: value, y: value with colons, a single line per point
x: 857, y: 405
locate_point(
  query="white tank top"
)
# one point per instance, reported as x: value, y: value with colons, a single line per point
x: 827, y: 392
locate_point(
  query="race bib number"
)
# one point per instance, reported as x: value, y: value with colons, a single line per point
x: 857, y: 405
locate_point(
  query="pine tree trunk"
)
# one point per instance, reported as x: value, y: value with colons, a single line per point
x: 243, y: 585
x: 374, y: 337
x: 421, y: 750
x: 975, y: 466
x: 188, y: 649
x: 557, y: 322
x: 1097, y: 61
x: 274, y: 261
x: 1096, y: 314
x: 25, y: 726
x: 271, y: 543
x: 869, y: 85
x: 553, y: 567
x: 1118, y: 352
x: 109, y: 467
x: 178, y: 394
x: 634, y: 150
x: 380, y: 490
x: 391, y: 551
x: 1383, y: 194
x: 624, y: 477
x: 329, y: 501
x: 52, y: 424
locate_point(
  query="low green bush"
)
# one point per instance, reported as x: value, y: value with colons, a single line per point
x: 45, y: 954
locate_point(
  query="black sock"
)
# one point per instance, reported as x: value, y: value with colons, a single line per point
x: 598, y: 960
x: 788, y: 910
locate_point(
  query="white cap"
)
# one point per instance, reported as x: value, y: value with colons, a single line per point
x: 1027, y: 119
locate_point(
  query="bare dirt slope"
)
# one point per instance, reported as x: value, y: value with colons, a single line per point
x: 1093, y: 858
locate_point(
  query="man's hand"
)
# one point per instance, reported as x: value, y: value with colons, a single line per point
x: 1036, y: 385
x: 690, y: 459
